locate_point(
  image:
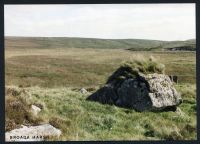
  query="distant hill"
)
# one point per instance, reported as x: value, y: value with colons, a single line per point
x: 180, y: 45
x: 70, y: 42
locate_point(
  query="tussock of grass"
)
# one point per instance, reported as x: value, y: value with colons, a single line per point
x: 145, y: 65
x: 16, y: 111
x: 17, y: 108
x: 134, y: 67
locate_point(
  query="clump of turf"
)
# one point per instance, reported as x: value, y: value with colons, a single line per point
x: 145, y: 66
x: 17, y: 109
x: 133, y: 67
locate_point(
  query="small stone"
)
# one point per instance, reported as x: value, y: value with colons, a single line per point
x: 35, y: 110
x: 83, y: 91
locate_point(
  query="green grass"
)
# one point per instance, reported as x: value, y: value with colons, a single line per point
x: 79, y: 119
x: 145, y: 66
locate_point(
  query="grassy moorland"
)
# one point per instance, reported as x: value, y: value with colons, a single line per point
x: 95, y: 43
x: 85, y: 67
x: 53, y: 77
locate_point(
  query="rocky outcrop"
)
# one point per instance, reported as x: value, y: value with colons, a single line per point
x: 33, y: 133
x: 129, y: 88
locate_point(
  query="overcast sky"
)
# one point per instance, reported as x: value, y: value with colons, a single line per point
x: 142, y: 21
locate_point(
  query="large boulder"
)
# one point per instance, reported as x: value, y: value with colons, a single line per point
x: 129, y: 88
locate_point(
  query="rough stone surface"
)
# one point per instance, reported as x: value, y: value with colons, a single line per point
x: 162, y: 93
x: 35, y: 110
x: 142, y: 92
x: 33, y: 133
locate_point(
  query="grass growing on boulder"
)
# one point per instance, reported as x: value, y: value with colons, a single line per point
x: 133, y: 67
x: 145, y: 65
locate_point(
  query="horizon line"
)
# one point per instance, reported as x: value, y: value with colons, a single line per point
x: 96, y: 38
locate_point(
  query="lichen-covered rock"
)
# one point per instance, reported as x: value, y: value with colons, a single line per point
x: 142, y: 92
x: 162, y: 92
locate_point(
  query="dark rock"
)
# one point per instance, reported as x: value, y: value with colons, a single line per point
x: 129, y: 88
x: 173, y: 78
x: 105, y: 95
